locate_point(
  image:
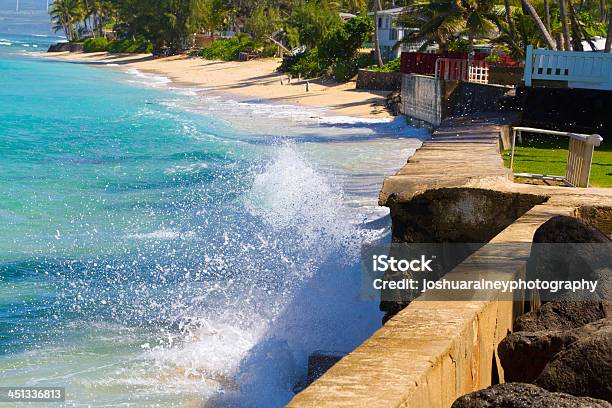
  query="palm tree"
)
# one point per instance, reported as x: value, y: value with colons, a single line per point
x: 564, y: 25
x: 539, y: 24
x: 65, y: 15
x: 377, y: 8
x: 443, y: 20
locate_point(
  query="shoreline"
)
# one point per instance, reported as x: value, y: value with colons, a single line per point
x: 251, y: 81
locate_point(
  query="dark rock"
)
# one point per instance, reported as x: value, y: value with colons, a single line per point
x: 563, y: 229
x: 394, y: 101
x: 561, y: 316
x: 519, y: 395
x: 584, y: 368
x: 580, y: 251
x: 65, y: 47
x: 523, y: 355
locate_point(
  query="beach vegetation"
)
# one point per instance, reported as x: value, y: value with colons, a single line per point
x: 336, y: 55
x: 264, y: 21
x: 210, y: 15
x: 391, y: 66
x: 229, y: 49
x: 138, y: 45
x: 98, y: 44
x: 310, y: 21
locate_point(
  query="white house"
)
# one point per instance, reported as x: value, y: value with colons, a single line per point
x: 390, y: 34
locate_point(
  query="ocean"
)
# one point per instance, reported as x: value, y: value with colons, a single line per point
x: 165, y: 246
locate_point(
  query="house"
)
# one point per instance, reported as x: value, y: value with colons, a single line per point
x: 390, y: 34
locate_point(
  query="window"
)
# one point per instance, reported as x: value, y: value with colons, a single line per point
x: 380, y: 21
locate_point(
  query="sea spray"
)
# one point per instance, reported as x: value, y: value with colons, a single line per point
x: 184, y: 247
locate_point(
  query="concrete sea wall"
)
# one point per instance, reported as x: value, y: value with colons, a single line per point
x: 432, y: 100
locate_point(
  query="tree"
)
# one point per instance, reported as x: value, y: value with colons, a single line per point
x: 563, y: 16
x: 167, y: 24
x: 342, y: 43
x: 210, y: 14
x: 310, y: 20
x: 443, y: 20
x: 508, y: 10
x: 377, y: 8
x: 264, y: 21
x: 65, y: 15
x: 608, y: 46
x: 539, y: 24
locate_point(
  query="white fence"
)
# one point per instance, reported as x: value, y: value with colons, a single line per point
x: 591, y: 70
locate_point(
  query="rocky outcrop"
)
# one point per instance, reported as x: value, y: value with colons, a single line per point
x: 561, y: 316
x: 524, y: 355
x: 519, y: 395
x: 393, y: 103
x: 584, y: 368
x: 65, y: 47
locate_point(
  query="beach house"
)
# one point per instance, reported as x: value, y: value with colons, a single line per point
x: 391, y: 33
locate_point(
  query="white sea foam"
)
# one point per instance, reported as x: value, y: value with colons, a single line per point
x: 186, y: 169
x: 162, y: 234
x: 6, y: 43
x: 153, y: 80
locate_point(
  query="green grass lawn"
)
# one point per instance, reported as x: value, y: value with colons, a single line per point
x: 548, y: 155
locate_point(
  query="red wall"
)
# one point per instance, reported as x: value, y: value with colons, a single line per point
x: 425, y: 63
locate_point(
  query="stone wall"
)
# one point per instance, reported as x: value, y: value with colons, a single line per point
x: 379, y: 81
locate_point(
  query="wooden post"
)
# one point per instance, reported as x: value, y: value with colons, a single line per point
x: 307, y: 86
x: 528, y: 65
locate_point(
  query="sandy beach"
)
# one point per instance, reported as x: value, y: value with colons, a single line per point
x: 254, y: 80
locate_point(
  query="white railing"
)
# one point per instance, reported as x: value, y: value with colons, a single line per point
x: 579, y: 156
x: 455, y: 69
x: 591, y: 70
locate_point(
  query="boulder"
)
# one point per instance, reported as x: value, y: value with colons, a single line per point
x: 567, y: 248
x: 524, y: 355
x: 65, y: 47
x: 584, y: 368
x: 519, y: 395
x: 561, y: 315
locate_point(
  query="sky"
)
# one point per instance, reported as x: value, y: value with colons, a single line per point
x: 32, y: 17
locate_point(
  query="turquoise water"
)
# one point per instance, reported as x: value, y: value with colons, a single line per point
x: 164, y: 246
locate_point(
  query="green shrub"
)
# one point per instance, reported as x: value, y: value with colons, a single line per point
x: 308, y: 65
x: 344, y: 70
x: 139, y: 45
x: 99, y: 44
x: 269, y: 50
x: 228, y: 50
x: 391, y: 66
